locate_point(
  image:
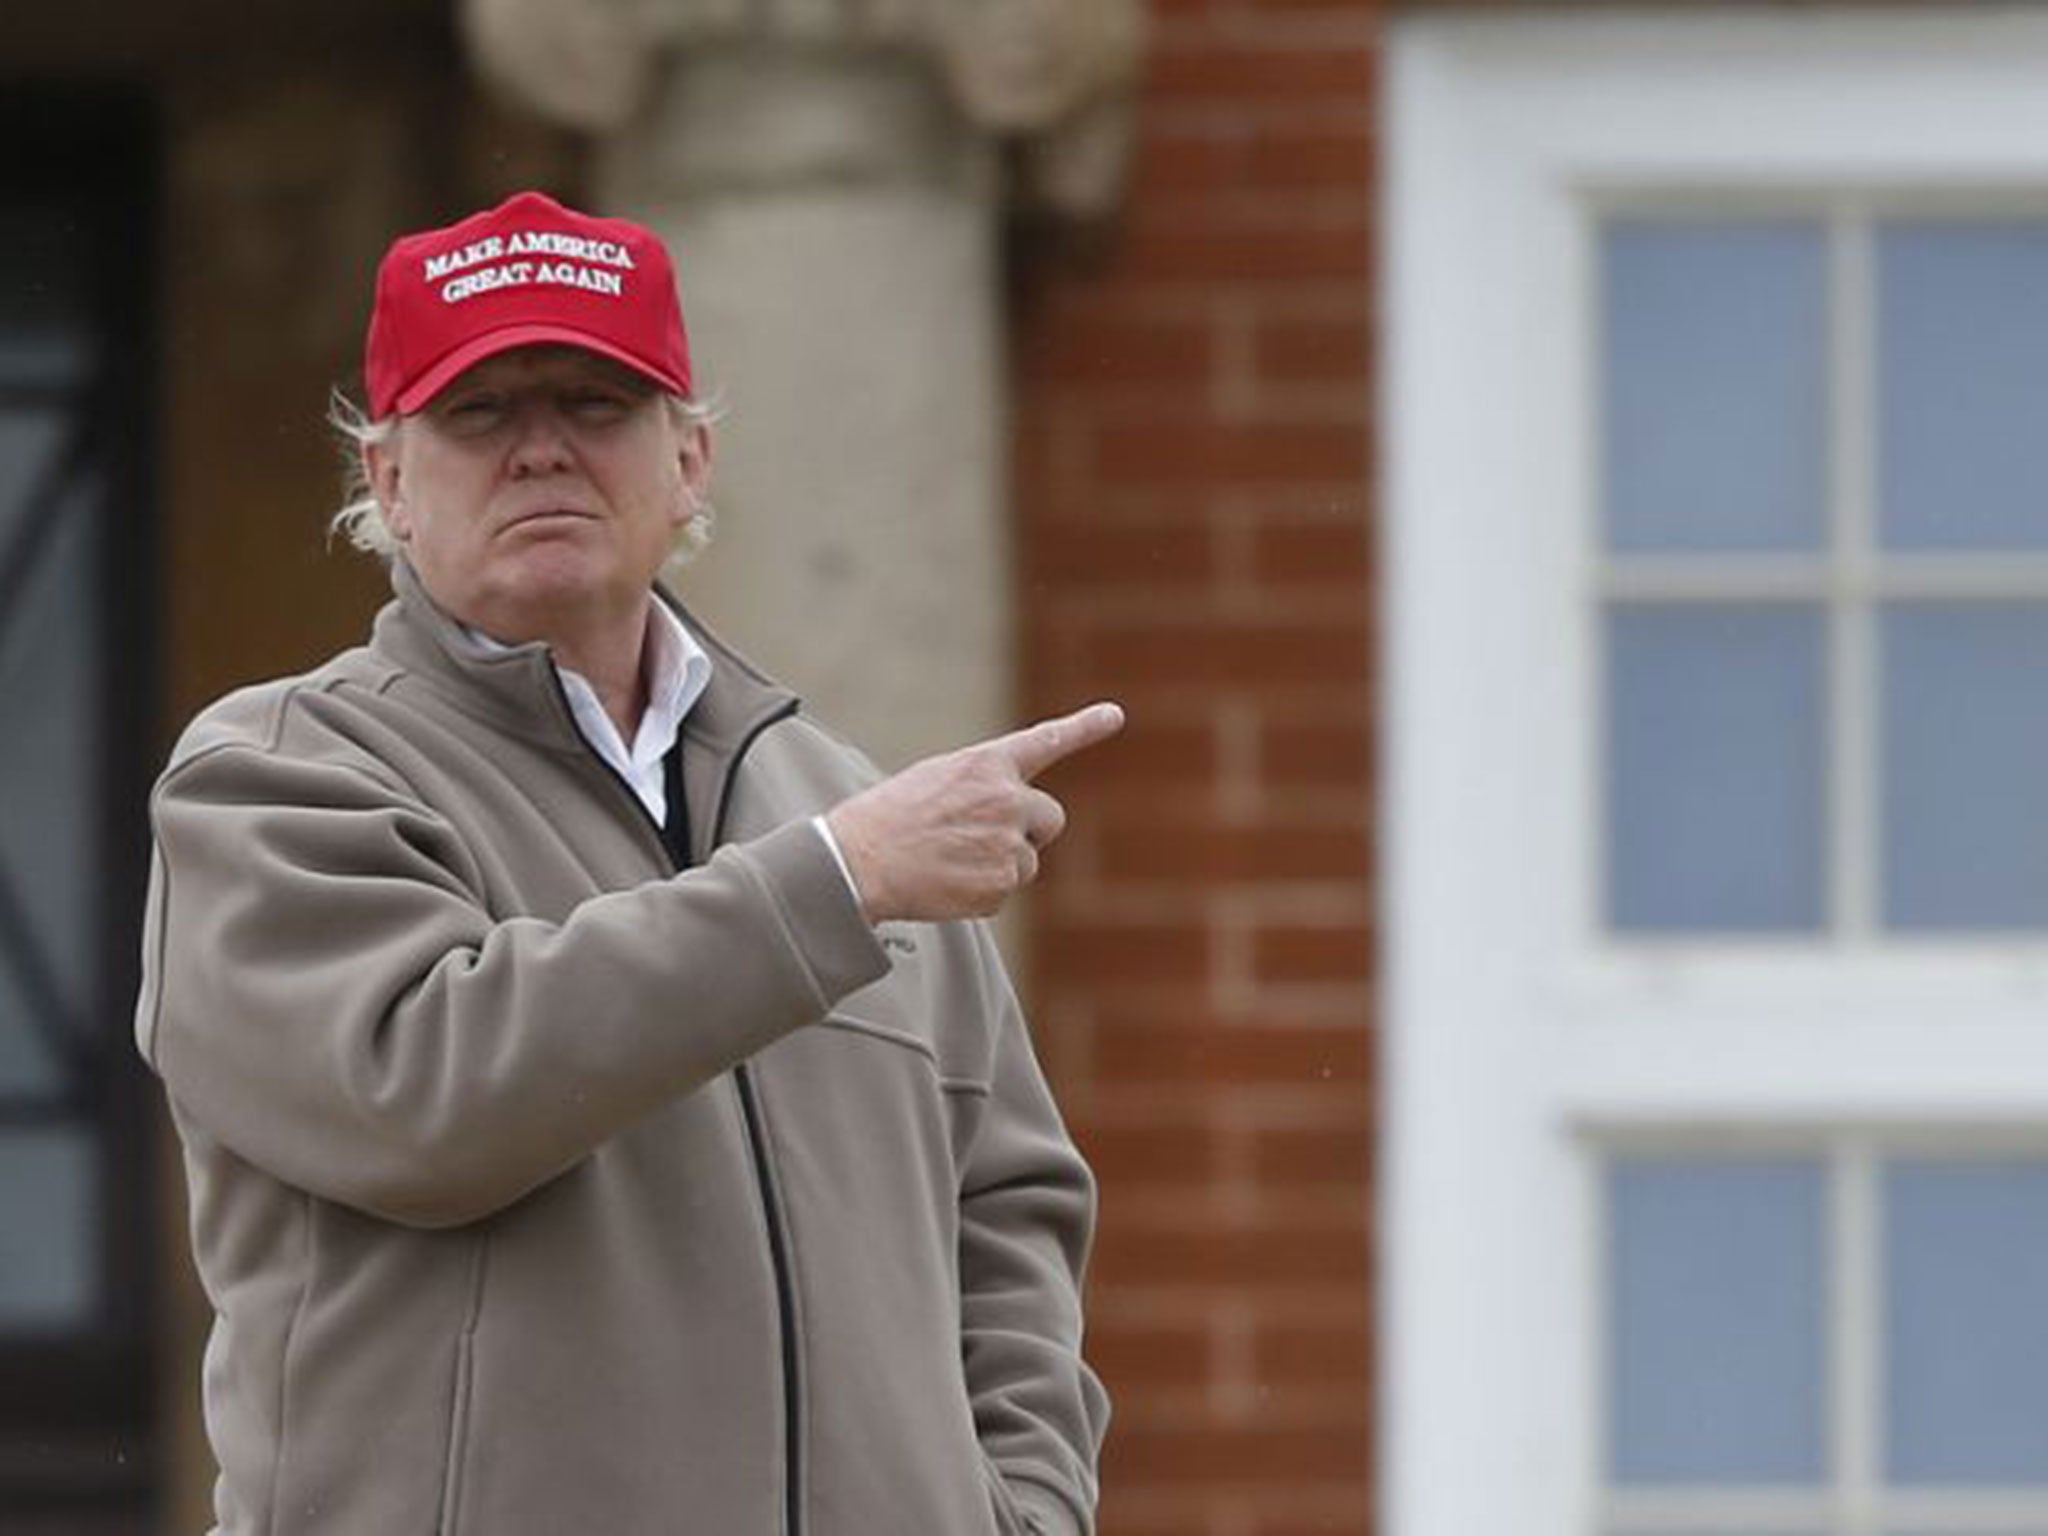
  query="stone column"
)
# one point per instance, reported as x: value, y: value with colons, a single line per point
x: 831, y: 176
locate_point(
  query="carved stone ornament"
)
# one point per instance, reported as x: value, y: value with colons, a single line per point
x: 1056, y: 78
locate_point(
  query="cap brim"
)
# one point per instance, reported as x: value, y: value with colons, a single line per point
x: 506, y: 339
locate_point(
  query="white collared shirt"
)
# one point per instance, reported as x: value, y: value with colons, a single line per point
x: 679, y: 670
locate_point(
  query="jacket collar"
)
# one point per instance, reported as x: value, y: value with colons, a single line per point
x: 516, y: 690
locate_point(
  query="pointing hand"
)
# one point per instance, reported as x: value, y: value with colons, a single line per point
x: 956, y: 835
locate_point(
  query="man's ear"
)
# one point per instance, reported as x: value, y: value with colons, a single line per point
x: 695, y: 457
x: 380, y: 468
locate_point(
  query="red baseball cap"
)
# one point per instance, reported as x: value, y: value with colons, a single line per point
x: 525, y: 272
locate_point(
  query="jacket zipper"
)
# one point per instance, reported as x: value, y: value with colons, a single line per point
x: 771, y: 1202
x: 757, y: 1137
x: 785, y: 1299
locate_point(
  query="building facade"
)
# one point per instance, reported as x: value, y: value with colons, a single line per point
x: 1552, y: 978
x: 1106, y: 432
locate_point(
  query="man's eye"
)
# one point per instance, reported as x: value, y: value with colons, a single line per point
x: 473, y: 412
x: 596, y: 405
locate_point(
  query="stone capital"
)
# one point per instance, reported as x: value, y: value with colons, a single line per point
x: 1054, y: 78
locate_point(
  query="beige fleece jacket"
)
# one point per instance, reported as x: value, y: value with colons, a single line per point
x: 538, y: 1188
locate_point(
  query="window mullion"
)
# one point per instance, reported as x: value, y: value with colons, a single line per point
x: 1853, y: 1331
x: 1853, y: 738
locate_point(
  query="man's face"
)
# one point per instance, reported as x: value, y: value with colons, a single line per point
x: 541, y: 491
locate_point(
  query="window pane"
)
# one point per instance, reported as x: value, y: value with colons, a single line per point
x: 47, y: 1226
x: 1714, y: 388
x: 29, y: 443
x: 1716, y: 1283
x: 28, y: 1069
x: 50, y: 685
x: 50, y: 681
x: 1963, y: 385
x: 1716, y: 752
x: 1966, y: 1322
x: 44, y: 307
x: 1965, y: 765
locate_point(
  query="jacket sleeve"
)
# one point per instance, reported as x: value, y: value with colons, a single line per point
x: 324, y: 992
x: 1027, y: 1217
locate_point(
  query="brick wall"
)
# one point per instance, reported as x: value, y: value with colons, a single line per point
x: 1195, y: 514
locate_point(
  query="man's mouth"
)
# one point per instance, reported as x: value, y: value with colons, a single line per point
x: 548, y: 515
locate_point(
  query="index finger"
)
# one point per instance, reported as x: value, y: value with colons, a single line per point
x: 1036, y: 748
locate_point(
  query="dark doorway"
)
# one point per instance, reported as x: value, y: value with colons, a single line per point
x: 77, y: 740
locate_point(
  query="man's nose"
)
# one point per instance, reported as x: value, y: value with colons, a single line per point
x: 540, y: 445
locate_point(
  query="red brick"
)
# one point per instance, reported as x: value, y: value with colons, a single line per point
x: 1124, y: 350
x: 1033, y: 453
x: 1180, y: 160
x: 1149, y: 1010
x: 1129, y: 1509
x: 1133, y: 1252
x: 1198, y: 452
x: 1312, y: 352
x: 1248, y: 653
x: 1267, y: 1054
x: 1132, y: 1157
x: 1099, y: 954
x: 1133, y: 851
x: 1218, y: 1455
x: 1154, y: 1355
x: 1211, y: 569
x: 1315, y: 1354
x: 1133, y: 558
x: 1181, y: 163
x: 1182, y: 70
x: 1336, y: 552
x: 1367, y: 12
x: 1328, y: 1512
x: 1295, y: 1156
x: 1279, y: 252
x: 1337, y: 954
x: 1291, y: 156
x: 1157, y: 752
x: 1093, y: 784
x: 1316, y: 1099
x: 1329, y: 753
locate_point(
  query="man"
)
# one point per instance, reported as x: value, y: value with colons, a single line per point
x: 597, y: 1117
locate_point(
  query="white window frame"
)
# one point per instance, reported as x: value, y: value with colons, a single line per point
x: 1849, y: 1500
x: 1520, y: 1037
x: 1850, y: 579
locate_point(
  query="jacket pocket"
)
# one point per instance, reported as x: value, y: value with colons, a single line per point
x: 458, y: 1435
x: 877, y: 1025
